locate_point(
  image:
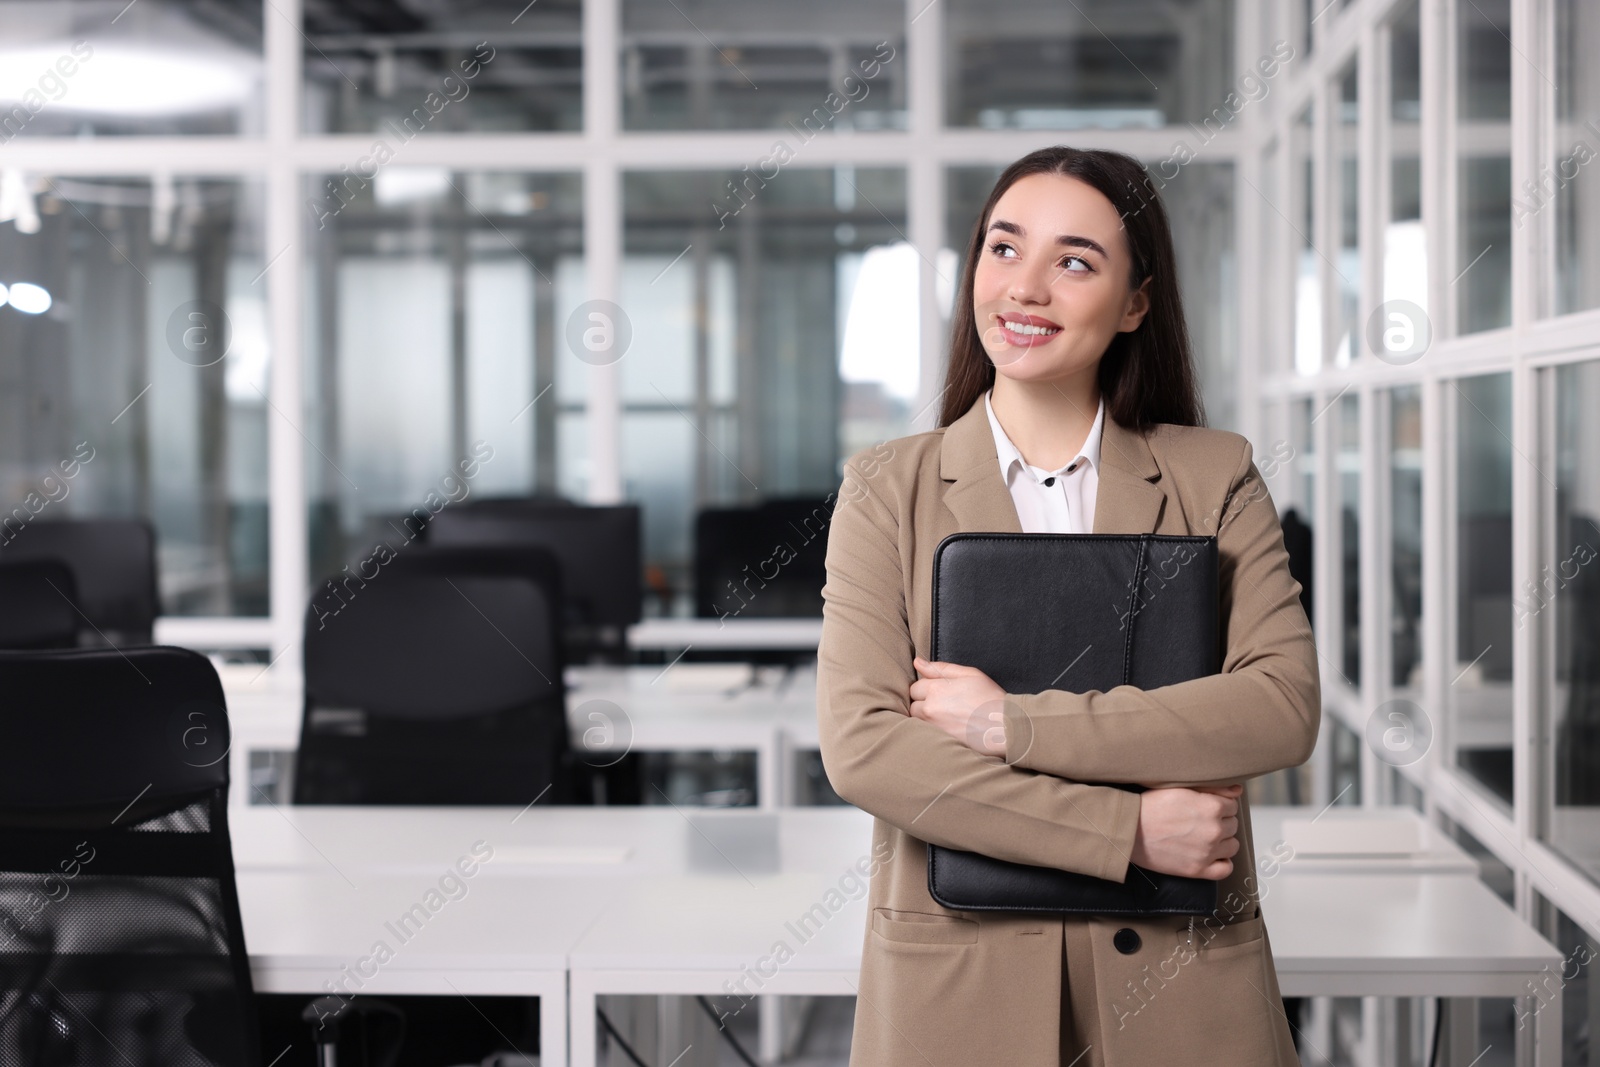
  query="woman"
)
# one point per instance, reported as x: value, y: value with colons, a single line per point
x: 1069, y: 359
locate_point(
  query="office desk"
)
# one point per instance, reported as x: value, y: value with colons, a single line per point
x: 798, y: 635
x: 610, y: 711
x: 673, y: 901
x: 317, y: 885
x: 1410, y: 935
x: 316, y: 933
x: 659, y: 839
x: 545, y: 842
x: 1342, y: 934
x: 687, y: 935
x: 263, y: 716
x: 659, y: 713
x: 1436, y: 852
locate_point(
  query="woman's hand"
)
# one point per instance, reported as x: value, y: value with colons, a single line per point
x: 954, y: 698
x: 1188, y: 832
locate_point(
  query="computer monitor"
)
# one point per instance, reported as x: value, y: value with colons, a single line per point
x: 114, y: 564
x: 598, y: 549
x: 763, y: 561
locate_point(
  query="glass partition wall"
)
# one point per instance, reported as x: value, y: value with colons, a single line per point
x: 324, y: 255
x: 1429, y: 358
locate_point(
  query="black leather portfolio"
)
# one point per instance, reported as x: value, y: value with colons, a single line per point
x: 1079, y: 612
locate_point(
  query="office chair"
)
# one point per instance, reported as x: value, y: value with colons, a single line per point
x: 438, y: 680
x: 1576, y: 751
x: 1297, y: 541
x: 1485, y: 607
x: 120, y: 936
x: 615, y: 780
x: 578, y: 782
x: 38, y: 595
x: 114, y: 563
x: 1350, y: 593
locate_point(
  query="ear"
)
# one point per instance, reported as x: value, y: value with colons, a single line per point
x: 1138, y: 307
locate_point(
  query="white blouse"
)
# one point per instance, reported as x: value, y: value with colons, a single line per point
x: 1058, y: 501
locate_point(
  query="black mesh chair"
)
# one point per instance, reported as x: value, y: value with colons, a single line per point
x: 120, y: 937
x: 114, y: 562
x: 438, y: 680
x: 38, y: 597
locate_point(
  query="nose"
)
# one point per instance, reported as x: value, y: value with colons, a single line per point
x: 1030, y: 284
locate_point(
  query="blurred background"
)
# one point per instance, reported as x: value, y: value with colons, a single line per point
x: 284, y: 281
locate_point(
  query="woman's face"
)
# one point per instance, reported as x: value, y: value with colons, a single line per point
x: 1050, y: 290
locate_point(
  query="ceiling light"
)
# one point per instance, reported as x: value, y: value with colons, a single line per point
x: 394, y: 186
x: 29, y: 298
x: 125, y: 79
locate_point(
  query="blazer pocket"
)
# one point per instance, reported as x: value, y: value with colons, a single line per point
x: 1229, y: 935
x: 919, y: 928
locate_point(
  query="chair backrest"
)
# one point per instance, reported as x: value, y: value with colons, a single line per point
x: 766, y: 561
x: 1485, y: 605
x: 120, y: 936
x: 114, y: 562
x: 38, y: 597
x: 1297, y: 541
x: 436, y: 680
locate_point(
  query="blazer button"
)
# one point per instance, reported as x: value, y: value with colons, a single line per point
x: 1126, y: 940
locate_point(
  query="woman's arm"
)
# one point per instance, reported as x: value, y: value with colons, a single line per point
x: 1261, y: 714
x: 906, y: 772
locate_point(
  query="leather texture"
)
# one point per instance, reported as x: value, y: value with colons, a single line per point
x: 1083, y: 613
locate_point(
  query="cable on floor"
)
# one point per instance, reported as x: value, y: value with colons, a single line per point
x: 738, y: 1049
x: 612, y: 1032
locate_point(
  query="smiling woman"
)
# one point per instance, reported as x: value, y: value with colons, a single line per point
x: 1071, y: 406
x: 1086, y: 270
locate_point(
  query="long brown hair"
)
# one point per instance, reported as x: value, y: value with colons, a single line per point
x: 1146, y: 375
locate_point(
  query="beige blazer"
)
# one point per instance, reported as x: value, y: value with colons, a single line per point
x: 942, y: 988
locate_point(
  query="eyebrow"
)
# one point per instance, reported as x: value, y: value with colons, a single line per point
x: 1069, y: 239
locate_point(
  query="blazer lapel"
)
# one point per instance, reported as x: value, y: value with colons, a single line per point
x: 978, y: 497
x: 1126, y: 501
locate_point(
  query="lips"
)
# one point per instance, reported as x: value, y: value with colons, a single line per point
x: 1031, y: 320
x: 1025, y: 331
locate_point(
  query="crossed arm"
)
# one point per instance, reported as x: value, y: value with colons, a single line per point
x: 923, y: 780
x: 1260, y: 714
x: 1037, y: 804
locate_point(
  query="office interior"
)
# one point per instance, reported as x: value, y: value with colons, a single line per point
x: 312, y: 311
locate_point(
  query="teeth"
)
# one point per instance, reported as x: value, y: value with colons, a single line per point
x: 1025, y: 328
